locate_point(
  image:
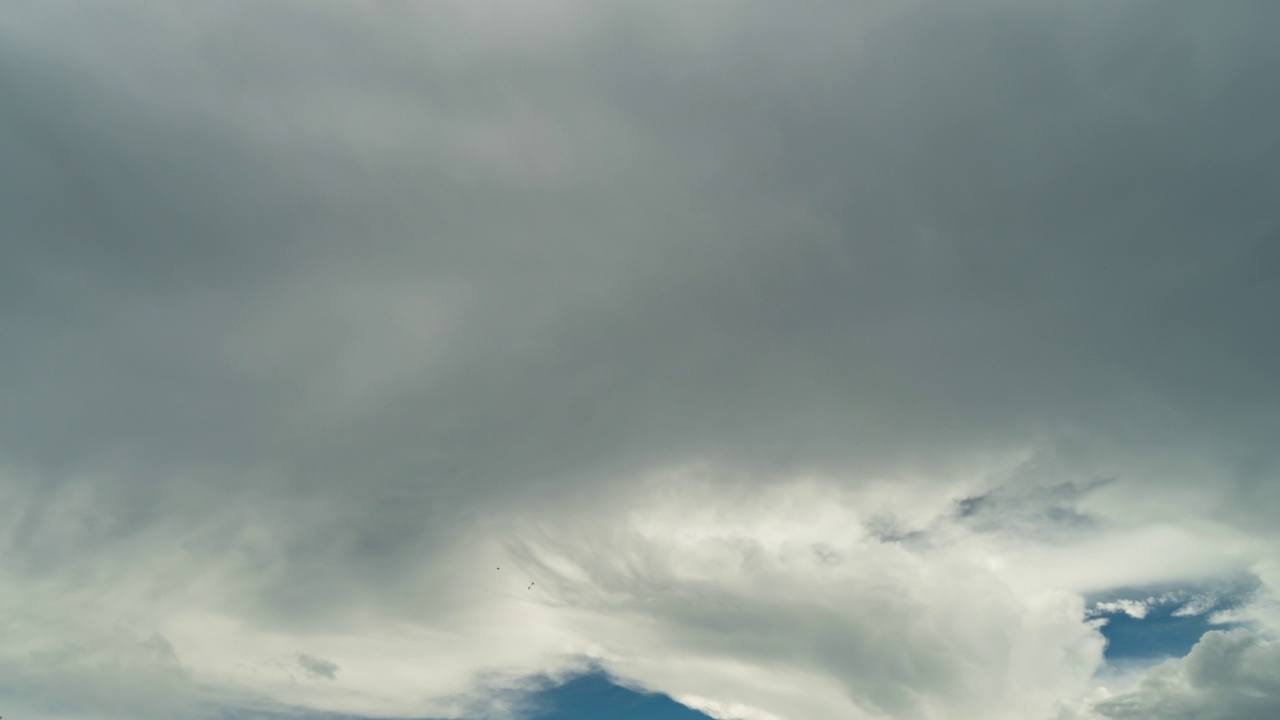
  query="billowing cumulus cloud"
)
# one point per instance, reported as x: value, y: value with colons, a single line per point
x: 810, y: 362
x: 1227, y: 676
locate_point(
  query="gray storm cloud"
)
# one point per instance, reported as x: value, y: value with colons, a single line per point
x: 297, y: 300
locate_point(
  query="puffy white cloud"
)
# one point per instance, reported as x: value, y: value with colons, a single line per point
x: 1229, y: 675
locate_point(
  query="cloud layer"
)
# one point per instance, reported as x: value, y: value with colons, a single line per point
x: 810, y: 362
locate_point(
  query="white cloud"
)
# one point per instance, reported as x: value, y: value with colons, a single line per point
x: 1189, y: 604
x: 1198, y: 605
x: 1229, y: 675
x: 1133, y: 608
x: 784, y: 600
x: 727, y: 590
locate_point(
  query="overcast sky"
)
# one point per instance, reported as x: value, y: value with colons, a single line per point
x: 797, y: 360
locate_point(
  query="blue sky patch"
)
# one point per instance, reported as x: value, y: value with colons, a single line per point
x: 1160, y: 634
x: 595, y: 695
x: 1159, y: 622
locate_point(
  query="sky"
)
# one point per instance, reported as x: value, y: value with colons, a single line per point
x: 752, y: 360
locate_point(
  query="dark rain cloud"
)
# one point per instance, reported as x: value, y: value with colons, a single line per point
x: 368, y: 274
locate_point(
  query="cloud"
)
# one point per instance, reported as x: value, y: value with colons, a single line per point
x: 1189, y: 602
x: 690, y: 592
x: 891, y: 332
x: 1229, y: 675
x: 318, y: 666
x: 1198, y: 605
x: 1136, y: 609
